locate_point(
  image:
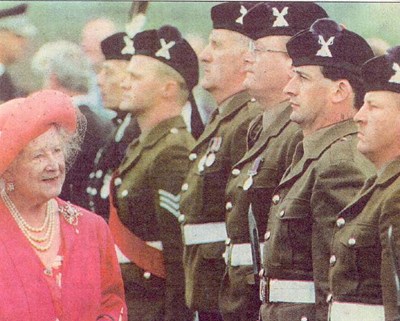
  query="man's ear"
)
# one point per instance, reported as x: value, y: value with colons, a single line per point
x: 170, y: 89
x: 341, y: 91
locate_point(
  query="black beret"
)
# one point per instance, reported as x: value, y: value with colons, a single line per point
x: 383, y: 72
x: 167, y: 45
x: 14, y: 11
x: 230, y: 15
x: 117, y: 46
x: 327, y: 43
x: 281, y: 18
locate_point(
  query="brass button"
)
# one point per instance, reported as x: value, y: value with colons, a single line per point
x: 236, y: 171
x: 340, y: 222
x: 228, y: 206
x: 332, y: 260
x: 185, y: 187
x: 181, y: 218
x: 282, y: 213
x: 267, y: 235
x: 275, y: 199
x: 351, y: 241
x: 228, y: 241
x: 192, y: 157
x: 147, y: 275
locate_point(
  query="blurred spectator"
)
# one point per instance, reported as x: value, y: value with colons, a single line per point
x: 93, y: 33
x: 15, y: 31
x: 378, y: 46
x: 64, y: 67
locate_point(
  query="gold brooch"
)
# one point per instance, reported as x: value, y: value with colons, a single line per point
x: 71, y: 214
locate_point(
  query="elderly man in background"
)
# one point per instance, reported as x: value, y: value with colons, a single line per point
x: 221, y: 145
x: 93, y: 33
x: 64, y: 67
x: 15, y: 31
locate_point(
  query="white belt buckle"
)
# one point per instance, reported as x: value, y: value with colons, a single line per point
x: 341, y: 311
x: 241, y: 254
x: 291, y: 291
x: 204, y: 233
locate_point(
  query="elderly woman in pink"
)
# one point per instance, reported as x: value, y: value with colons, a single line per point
x: 57, y: 260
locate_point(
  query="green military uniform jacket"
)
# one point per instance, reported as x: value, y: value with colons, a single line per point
x: 264, y: 164
x: 145, y: 193
x: 203, y: 196
x: 361, y: 265
x: 314, y: 189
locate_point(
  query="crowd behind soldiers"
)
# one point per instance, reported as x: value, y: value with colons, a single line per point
x: 282, y: 207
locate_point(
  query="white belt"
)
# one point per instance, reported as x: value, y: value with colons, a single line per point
x: 342, y: 311
x: 240, y: 254
x: 291, y: 291
x: 204, y: 233
x: 123, y: 259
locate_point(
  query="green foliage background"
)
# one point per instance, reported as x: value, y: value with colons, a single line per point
x: 65, y: 19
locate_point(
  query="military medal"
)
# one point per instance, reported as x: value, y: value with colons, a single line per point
x: 210, y: 159
x: 251, y: 172
x: 201, y: 163
x: 214, y: 146
x: 248, y: 182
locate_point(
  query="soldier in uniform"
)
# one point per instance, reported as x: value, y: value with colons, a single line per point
x: 117, y: 52
x: 221, y: 145
x: 366, y: 242
x: 254, y: 177
x: 325, y: 174
x: 15, y: 33
x: 145, y: 189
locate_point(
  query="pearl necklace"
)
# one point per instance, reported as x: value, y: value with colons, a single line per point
x: 41, y: 244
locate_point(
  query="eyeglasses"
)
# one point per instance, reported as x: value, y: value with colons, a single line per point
x: 256, y: 50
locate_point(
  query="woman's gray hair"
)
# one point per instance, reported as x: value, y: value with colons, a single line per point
x: 72, y: 142
x: 67, y: 62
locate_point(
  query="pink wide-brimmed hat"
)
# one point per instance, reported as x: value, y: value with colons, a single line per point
x: 24, y: 119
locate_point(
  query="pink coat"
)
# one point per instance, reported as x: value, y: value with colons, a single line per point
x: 91, y: 279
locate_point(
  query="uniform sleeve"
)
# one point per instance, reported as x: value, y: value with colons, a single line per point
x: 169, y: 170
x: 390, y: 255
x: 334, y: 188
x: 113, y: 305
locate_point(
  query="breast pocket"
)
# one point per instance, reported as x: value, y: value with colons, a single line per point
x: 215, y: 178
x: 360, y: 250
x: 294, y: 226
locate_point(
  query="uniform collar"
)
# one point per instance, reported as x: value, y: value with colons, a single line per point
x: 230, y: 107
x: 170, y: 125
x: 233, y: 103
x: 135, y: 149
x: 315, y: 144
x: 271, y: 115
x: 279, y: 120
x: 388, y: 172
